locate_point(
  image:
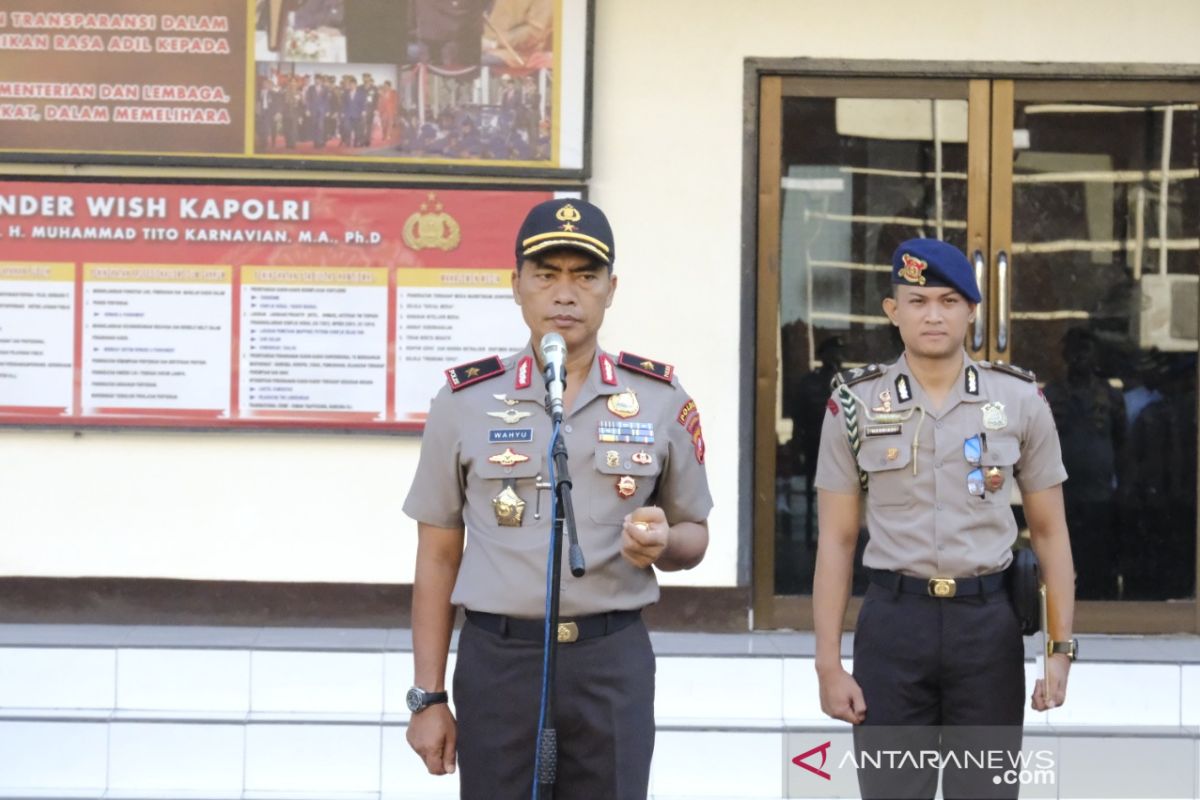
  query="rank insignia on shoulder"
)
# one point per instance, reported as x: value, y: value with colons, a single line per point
x: 849, y: 377
x: 608, y: 371
x: 466, y: 374
x: 972, y: 380
x: 655, y: 369
x: 1012, y: 369
x: 524, y: 373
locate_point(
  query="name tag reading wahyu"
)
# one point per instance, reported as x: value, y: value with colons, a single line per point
x: 497, y: 435
x: 621, y: 431
x: 883, y: 430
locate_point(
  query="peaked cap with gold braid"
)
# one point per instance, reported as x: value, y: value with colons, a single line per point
x: 566, y: 222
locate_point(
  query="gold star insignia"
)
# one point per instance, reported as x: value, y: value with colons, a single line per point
x: 472, y: 372
x: 648, y: 365
x: 568, y: 226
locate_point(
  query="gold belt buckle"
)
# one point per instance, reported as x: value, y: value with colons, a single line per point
x: 942, y: 587
x: 567, y: 632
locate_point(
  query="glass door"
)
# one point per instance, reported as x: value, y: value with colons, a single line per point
x: 859, y: 166
x: 1095, y: 257
x: 1079, y: 204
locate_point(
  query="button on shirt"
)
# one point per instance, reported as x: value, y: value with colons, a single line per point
x: 503, y: 570
x: 928, y: 523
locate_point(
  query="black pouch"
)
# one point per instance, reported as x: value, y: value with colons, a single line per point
x: 1024, y: 584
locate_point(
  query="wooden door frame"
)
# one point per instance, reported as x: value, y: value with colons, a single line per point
x: 760, y: 258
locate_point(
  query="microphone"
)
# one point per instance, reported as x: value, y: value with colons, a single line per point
x: 554, y: 356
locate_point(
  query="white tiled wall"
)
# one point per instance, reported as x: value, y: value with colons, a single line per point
x: 312, y: 758
x: 748, y: 689
x: 298, y: 682
x: 243, y: 723
x: 54, y: 755
x: 191, y: 680
x: 1121, y: 694
x: 167, y: 756
x: 699, y: 764
x: 57, y: 678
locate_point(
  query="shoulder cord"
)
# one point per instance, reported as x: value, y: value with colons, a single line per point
x: 849, y: 405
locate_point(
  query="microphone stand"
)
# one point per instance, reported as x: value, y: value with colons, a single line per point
x: 564, y: 518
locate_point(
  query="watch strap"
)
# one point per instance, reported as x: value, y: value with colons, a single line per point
x: 1067, y: 647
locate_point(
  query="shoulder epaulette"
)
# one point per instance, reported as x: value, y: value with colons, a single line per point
x: 655, y: 369
x: 466, y: 374
x: 1010, y: 369
x: 849, y: 377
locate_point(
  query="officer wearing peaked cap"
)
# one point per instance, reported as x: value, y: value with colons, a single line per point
x: 936, y: 441
x: 641, y: 501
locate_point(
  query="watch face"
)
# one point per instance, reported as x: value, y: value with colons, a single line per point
x: 415, y: 699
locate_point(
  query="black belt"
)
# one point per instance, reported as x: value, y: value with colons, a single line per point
x: 569, y: 630
x: 942, y: 588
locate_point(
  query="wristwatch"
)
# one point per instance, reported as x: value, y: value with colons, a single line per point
x: 418, y: 699
x: 1068, y: 647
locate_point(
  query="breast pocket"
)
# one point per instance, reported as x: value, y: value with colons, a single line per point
x: 999, y: 466
x: 627, y: 475
x: 889, y: 476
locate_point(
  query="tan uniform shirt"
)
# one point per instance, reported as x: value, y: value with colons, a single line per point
x: 927, y: 523
x: 503, y: 570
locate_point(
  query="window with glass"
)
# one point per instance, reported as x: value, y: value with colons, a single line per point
x: 1078, y: 201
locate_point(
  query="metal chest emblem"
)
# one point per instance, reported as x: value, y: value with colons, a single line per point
x: 994, y: 479
x: 643, y: 458
x: 612, y: 458
x: 508, y: 458
x: 503, y: 398
x: 893, y: 453
x: 994, y: 418
x: 624, y: 404
x: 509, y: 508
x: 626, y: 486
x: 510, y: 415
x: 885, y: 400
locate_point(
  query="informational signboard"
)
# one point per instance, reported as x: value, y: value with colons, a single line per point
x: 461, y: 86
x: 248, y: 306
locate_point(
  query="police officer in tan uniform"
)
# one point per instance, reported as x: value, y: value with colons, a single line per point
x: 936, y: 441
x: 641, y: 502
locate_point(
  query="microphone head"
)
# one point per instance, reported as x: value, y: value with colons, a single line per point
x: 554, y: 348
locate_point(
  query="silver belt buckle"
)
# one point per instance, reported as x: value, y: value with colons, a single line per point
x: 942, y: 587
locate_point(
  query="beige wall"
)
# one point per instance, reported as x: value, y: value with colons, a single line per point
x: 667, y: 162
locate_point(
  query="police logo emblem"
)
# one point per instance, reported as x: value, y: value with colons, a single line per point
x: 994, y: 418
x: 913, y: 269
x: 624, y: 404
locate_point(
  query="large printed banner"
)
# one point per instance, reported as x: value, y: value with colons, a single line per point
x: 469, y: 85
x: 248, y: 306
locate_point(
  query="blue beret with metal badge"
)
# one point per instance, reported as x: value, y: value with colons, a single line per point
x: 934, y: 263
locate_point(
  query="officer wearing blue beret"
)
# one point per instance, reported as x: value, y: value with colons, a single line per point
x: 641, y: 497
x: 936, y: 442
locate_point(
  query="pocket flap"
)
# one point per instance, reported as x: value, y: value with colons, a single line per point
x: 881, y: 455
x: 1002, y: 451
